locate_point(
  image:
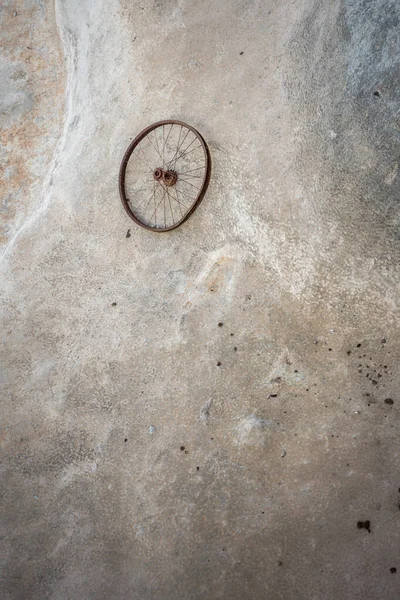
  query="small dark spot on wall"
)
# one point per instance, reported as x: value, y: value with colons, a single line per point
x: 126, y: 439
x: 182, y: 448
x: 128, y: 233
x: 376, y: 93
x: 383, y: 341
x: 220, y: 324
x: 198, y: 468
x: 273, y: 395
x: 388, y: 401
x: 364, y: 525
x: 393, y: 570
x: 348, y: 352
x: 358, y: 345
x: 280, y: 563
x: 113, y: 304
x: 330, y: 349
x: 235, y: 349
x: 219, y: 364
x: 241, y: 53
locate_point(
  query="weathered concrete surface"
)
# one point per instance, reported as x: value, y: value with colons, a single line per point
x: 31, y: 107
x: 134, y: 466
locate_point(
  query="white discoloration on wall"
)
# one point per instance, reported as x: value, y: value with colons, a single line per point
x: 253, y: 430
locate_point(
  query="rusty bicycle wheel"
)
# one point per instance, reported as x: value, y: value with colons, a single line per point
x: 164, y: 175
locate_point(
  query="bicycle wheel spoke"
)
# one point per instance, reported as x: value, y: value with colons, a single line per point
x: 191, y: 171
x: 180, y: 155
x: 158, y: 147
x: 155, y: 211
x: 170, y: 208
x: 184, y: 151
x: 143, y: 161
x: 178, y: 148
x: 165, y: 215
x: 158, y: 152
x: 166, y: 141
x: 179, y: 204
x: 180, y: 201
x: 163, y: 140
x: 185, y: 195
x: 188, y: 183
x: 192, y: 150
x: 150, y: 199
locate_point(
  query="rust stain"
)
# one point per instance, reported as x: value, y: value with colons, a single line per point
x: 217, y: 275
x: 31, y: 49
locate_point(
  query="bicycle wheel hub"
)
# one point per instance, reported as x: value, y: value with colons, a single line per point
x: 168, y: 177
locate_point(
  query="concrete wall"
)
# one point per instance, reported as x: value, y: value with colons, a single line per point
x: 149, y: 452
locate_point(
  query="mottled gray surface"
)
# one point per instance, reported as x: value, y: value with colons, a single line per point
x: 32, y: 78
x: 149, y: 453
